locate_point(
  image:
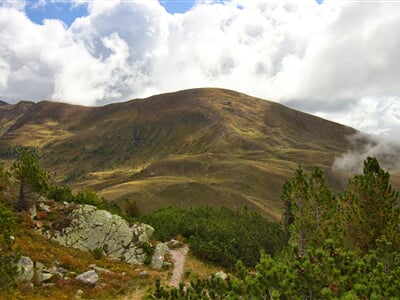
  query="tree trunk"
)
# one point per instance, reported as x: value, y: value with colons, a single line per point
x: 21, y: 200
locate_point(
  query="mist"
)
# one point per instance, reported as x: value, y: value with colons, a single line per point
x: 385, y: 147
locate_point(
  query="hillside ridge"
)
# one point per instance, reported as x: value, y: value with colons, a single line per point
x: 185, y: 148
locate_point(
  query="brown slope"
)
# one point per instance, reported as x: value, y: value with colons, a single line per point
x: 186, y: 148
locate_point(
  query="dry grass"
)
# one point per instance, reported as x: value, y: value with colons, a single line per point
x: 124, y: 280
x: 195, y: 268
x: 201, y: 146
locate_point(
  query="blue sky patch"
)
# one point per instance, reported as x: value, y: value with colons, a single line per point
x: 68, y: 12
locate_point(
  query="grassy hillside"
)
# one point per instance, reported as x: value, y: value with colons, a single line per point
x: 186, y: 148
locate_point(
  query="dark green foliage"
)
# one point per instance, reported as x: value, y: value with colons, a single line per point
x: 30, y: 176
x: 370, y: 209
x: 311, y: 209
x: 98, y: 253
x: 60, y: 194
x: 167, y: 222
x: 88, y: 196
x: 222, y: 236
x: 149, y: 251
x: 365, y: 217
x: 7, y: 256
x: 325, y: 272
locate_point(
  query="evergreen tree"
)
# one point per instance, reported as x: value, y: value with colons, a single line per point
x: 30, y: 176
x: 310, y: 209
x: 370, y: 208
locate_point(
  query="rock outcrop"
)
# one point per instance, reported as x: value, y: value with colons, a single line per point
x: 88, y: 228
x: 92, y: 229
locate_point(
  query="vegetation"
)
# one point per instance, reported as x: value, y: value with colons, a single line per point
x: 310, y: 215
x: 30, y: 175
x: 17, y: 236
x: 221, y: 236
x: 89, y: 197
x: 7, y: 254
x: 370, y: 209
x: 325, y: 272
x: 340, y: 247
x: 236, y: 149
x: 329, y: 246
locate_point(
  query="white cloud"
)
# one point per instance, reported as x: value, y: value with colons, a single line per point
x: 339, y: 59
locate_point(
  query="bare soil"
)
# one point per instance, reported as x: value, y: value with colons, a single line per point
x: 178, y: 256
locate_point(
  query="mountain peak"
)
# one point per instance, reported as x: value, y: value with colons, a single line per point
x: 186, y: 148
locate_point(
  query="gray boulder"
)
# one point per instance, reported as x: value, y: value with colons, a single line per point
x: 89, y: 278
x: 94, y: 229
x: 25, y: 269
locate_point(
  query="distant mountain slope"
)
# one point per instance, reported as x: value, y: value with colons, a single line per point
x: 186, y: 148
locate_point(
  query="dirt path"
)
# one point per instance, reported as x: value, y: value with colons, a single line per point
x: 178, y: 256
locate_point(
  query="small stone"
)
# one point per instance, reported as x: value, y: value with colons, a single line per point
x: 174, y: 244
x: 144, y: 274
x: 90, y: 278
x: 39, y: 266
x: 221, y: 275
x: 79, y: 293
x: 101, y: 270
x: 41, y: 199
x: 58, y: 270
x: 44, y: 276
x: 33, y: 212
x: 44, y: 207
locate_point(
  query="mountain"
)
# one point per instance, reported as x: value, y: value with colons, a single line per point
x: 199, y: 146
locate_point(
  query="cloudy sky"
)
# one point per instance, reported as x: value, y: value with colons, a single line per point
x: 339, y: 59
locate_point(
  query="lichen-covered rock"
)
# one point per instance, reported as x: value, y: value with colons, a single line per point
x: 25, y: 269
x: 159, y: 256
x: 92, y: 229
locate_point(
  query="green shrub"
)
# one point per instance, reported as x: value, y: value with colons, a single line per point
x: 7, y: 256
x: 166, y: 222
x: 97, y: 253
x: 222, y: 236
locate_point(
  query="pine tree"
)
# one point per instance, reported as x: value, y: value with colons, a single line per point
x: 370, y: 209
x: 310, y: 209
x: 30, y: 176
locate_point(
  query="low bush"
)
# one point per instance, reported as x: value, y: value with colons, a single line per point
x: 222, y: 236
x: 7, y: 255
